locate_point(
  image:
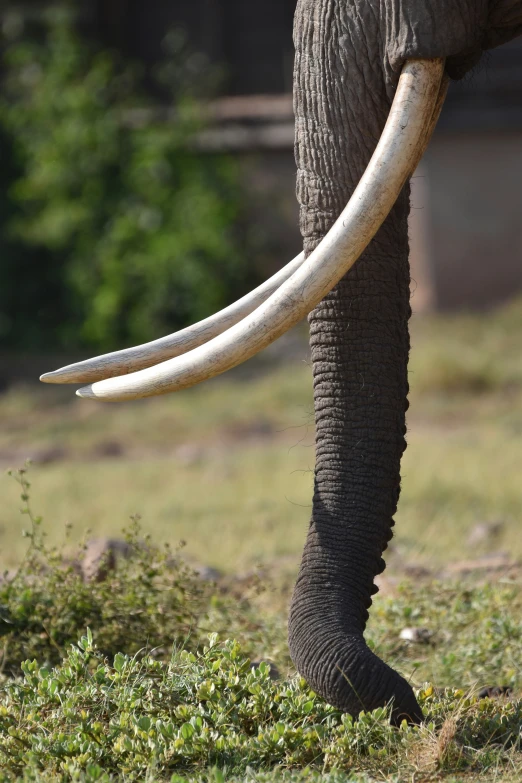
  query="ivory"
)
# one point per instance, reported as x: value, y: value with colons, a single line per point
x: 141, y: 356
x: 439, y: 103
x: 412, y: 117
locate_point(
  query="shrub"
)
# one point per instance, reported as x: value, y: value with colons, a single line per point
x: 115, y: 706
x: 150, y: 600
x: 130, y: 232
x: 149, y: 719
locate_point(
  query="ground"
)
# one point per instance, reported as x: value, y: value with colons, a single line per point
x: 227, y: 467
x: 246, y: 439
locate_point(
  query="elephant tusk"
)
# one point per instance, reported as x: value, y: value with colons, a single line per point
x: 439, y: 103
x: 148, y: 354
x: 141, y: 356
x: 398, y: 152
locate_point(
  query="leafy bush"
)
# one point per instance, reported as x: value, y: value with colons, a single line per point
x: 145, y: 717
x: 121, y: 705
x: 130, y: 232
x: 148, y: 600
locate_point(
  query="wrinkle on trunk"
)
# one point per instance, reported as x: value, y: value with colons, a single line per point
x: 360, y: 344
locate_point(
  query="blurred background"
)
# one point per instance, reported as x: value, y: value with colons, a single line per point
x: 147, y: 180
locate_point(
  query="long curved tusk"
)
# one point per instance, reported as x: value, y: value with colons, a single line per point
x: 397, y: 154
x: 148, y: 354
x: 141, y: 356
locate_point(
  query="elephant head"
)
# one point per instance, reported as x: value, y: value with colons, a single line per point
x: 370, y: 78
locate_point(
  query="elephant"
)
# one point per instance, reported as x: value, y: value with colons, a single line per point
x: 369, y: 81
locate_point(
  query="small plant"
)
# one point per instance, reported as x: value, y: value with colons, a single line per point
x: 149, y: 600
x: 137, y: 717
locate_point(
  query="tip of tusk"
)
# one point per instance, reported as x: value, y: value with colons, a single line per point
x: 49, y: 377
x: 57, y: 376
x: 86, y: 393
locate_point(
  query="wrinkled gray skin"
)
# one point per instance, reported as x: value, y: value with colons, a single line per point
x: 349, y: 54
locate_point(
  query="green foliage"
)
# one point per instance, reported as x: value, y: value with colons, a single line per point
x: 135, y: 232
x: 120, y: 705
x: 211, y: 710
x: 474, y: 633
x: 148, y: 600
x: 205, y: 709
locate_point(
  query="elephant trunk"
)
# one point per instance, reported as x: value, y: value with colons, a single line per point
x: 360, y: 344
x: 359, y: 341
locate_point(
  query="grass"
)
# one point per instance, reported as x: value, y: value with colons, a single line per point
x: 248, y: 441
x: 228, y: 468
x: 147, y: 719
x: 147, y: 693
x: 245, y: 490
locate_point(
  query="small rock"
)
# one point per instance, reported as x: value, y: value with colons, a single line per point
x: 50, y: 455
x: 416, y: 635
x: 207, y: 573
x: 101, y: 556
x: 108, y: 449
x: 417, y: 572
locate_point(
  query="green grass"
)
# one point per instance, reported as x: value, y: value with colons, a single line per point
x: 148, y: 694
x: 468, y: 354
x: 145, y: 718
x: 214, y: 466
x: 227, y: 467
x: 242, y: 504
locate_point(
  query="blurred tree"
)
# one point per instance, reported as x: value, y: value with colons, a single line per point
x: 114, y: 230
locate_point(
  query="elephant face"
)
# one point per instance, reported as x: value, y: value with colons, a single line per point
x: 350, y: 55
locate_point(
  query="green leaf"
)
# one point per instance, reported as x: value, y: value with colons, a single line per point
x: 187, y: 731
x: 218, y: 775
x: 55, y: 684
x: 144, y: 723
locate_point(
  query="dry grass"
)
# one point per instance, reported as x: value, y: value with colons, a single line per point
x: 227, y: 466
